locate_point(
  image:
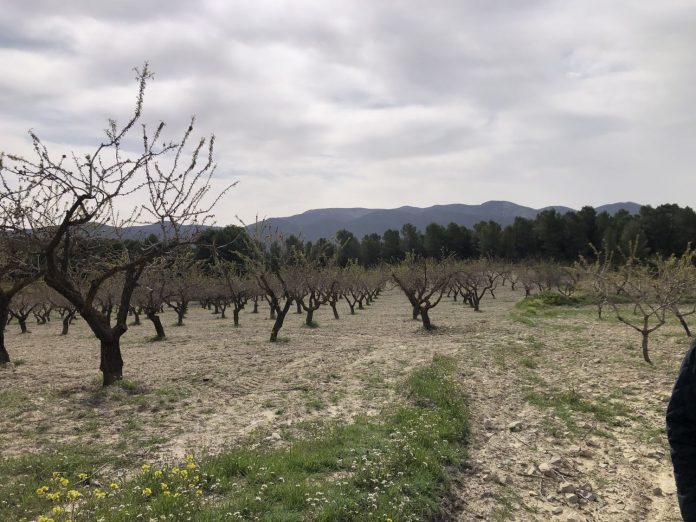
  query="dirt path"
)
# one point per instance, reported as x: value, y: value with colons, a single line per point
x: 565, y: 416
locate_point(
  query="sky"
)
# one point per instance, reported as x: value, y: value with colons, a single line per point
x: 378, y: 104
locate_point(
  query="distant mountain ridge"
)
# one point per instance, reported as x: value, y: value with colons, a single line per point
x: 325, y: 222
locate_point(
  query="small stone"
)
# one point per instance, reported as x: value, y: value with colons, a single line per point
x: 572, y: 518
x: 571, y: 498
x: 566, y: 487
x: 657, y: 491
x: 557, y: 511
x: 515, y: 426
x: 597, y: 361
x: 533, y: 493
x: 531, y: 470
x: 546, y: 469
x: 275, y: 436
x: 555, y: 460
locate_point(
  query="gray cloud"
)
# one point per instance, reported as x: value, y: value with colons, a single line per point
x: 357, y: 103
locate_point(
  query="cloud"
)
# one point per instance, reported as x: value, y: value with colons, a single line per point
x: 344, y: 103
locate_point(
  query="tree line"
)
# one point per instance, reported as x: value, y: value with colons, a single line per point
x: 551, y: 236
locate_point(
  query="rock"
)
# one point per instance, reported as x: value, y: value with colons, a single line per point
x: 571, y: 498
x: 489, y: 425
x: 566, y: 487
x: 592, y: 443
x: 555, y: 460
x: 546, y: 469
x: 515, y: 426
x: 598, y: 361
x: 557, y: 511
x: 572, y: 518
x: 657, y: 491
x: 275, y: 436
x: 531, y: 470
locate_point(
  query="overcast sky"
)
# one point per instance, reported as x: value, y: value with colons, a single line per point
x: 376, y: 103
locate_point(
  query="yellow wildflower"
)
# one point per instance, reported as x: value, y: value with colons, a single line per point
x: 53, y: 496
x: 42, y: 490
x: 157, y: 473
x: 191, y: 466
x: 189, y: 457
x: 199, y: 492
x: 73, y: 494
x: 43, y: 518
x: 64, y: 482
x: 175, y: 471
x: 147, y: 492
x: 167, y: 493
x: 113, y: 486
x: 184, y: 474
x: 58, y: 510
x: 82, y: 476
x: 56, y: 474
x: 164, y: 486
x: 145, y: 467
x: 99, y: 493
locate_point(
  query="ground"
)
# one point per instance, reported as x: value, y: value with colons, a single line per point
x: 566, y: 418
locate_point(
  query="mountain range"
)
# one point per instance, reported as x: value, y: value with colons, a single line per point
x: 325, y: 222
x: 313, y: 224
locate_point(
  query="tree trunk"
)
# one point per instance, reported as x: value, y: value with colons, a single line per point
x: 426, y: 319
x: 235, y: 316
x: 256, y: 307
x: 683, y: 322
x: 360, y: 304
x: 157, y: 322
x: 272, y: 316
x: 280, y: 317
x: 310, y: 317
x: 67, y: 319
x: 416, y: 312
x: 111, y: 361
x: 645, y: 347
x: 23, y: 324
x: 4, y: 355
x: 136, y: 318
x: 180, y: 312
x: 299, y: 308
x: 335, y: 311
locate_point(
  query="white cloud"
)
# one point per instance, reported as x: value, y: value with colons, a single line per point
x: 352, y: 103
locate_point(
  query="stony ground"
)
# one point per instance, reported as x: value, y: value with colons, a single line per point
x: 567, y: 421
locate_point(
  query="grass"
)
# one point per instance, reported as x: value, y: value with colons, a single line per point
x: 396, y: 466
x: 568, y: 403
x: 546, y: 305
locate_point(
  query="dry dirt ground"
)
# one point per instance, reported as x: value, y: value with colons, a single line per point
x: 566, y: 418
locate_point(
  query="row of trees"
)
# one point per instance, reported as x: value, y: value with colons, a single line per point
x: 665, y: 230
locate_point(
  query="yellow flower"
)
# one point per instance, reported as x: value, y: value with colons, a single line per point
x: 113, y: 486
x: 177, y: 494
x: 184, y: 474
x: 196, y: 478
x: 190, y: 465
x: 145, y: 467
x: 53, y: 496
x: 147, y: 492
x: 164, y: 486
x: 42, y: 490
x: 199, y: 492
x: 175, y: 471
x: 58, y: 510
x: 82, y: 476
x: 189, y: 457
x: 157, y: 473
x: 73, y: 494
x: 43, y: 518
x: 56, y: 474
x: 99, y: 493
x: 167, y: 493
x: 64, y: 482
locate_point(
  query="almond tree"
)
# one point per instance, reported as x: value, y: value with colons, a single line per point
x: 90, y: 195
x: 424, y: 282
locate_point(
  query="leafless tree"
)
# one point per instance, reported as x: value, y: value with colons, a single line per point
x: 84, y: 197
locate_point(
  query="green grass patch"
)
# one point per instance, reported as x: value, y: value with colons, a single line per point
x: 546, y: 305
x: 567, y: 404
x: 396, y: 466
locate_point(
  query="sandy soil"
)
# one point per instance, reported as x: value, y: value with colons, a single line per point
x: 210, y: 384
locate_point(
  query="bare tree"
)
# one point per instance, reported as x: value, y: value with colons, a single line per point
x: 424, y: 282
x: 85, y: 195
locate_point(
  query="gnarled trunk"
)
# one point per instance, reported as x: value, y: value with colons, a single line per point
x: 280, y: 317
x: 67, y: 319
x: 22, y: 324
x: 310, y: 317
x: 333, y: 308
x: 157, y: 323
x: 235, y: 316
x: 4, y: 315
x: 426, y: 319
x: 111, y: 361
x: 644, y: 346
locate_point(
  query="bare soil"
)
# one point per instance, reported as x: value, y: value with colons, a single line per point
x: 210, y: 384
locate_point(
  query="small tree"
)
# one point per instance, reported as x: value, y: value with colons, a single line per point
x: 424, y: 282
x: 81, y: 199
